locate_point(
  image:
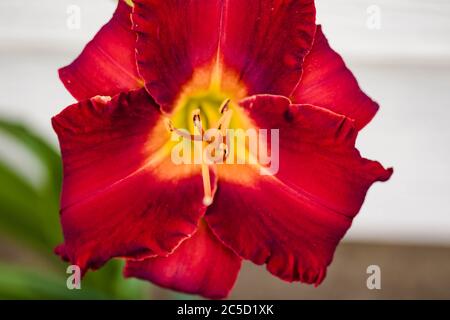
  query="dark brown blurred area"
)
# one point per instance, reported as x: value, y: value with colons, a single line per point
x: 407, y: 272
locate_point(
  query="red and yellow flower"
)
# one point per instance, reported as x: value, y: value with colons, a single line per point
x: 188, y: 227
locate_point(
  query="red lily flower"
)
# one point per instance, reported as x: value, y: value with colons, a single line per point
x: 187, y: 227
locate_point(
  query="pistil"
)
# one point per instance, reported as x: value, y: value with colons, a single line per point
x: 198, y: 130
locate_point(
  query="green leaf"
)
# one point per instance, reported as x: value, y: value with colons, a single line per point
x: 44, y: 152
x: 18, y: 206
x: 30, y: 212
x: 110, y: 279
x: 18, y: 282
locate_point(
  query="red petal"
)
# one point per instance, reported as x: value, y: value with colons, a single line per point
x: 107, y: 65
x: 294, y: 220
x: 174, y: 38
x: 121, y: 195
x: 328, y: 83
x: 200, y: 265
x: 265, y: 42
x: 260, y: 43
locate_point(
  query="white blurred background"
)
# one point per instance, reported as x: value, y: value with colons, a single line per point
x: 399, y: 50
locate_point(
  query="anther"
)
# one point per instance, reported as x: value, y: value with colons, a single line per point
x: 224, y: 107
x: 196, y: 115
x: 224, y: 121
x: 197, y: 120
x: 184, y: 134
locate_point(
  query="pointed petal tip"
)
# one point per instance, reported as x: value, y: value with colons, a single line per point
x: 107, y: 64
x: 328, y: 82
x: 388, y: 174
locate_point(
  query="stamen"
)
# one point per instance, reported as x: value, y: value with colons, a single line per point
x: 197, y: 120
x: 207, y: 193
x: 184, y: 134
x: 224, y: 122
x: 224, y: 107
x: 222, y: 125
x: 199, y: 135
x: 224, y: 148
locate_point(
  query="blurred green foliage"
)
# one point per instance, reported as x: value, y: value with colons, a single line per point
x: 29, y: 218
